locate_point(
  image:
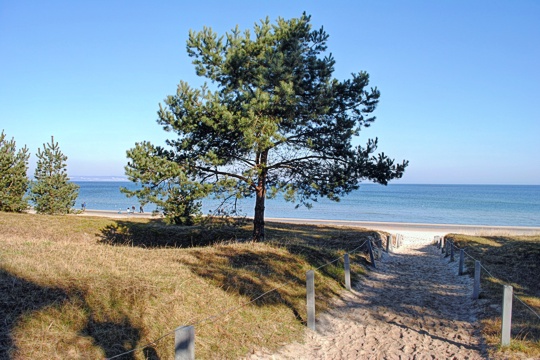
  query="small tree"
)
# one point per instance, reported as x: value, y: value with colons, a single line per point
x: 273, y: 121
x: 51, y: 192
x: 13, y: 179
x: 164, y: 184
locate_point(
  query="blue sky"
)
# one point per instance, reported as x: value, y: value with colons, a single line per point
x: 459, y: 80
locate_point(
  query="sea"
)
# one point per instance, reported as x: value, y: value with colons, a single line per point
x: 492, y: 205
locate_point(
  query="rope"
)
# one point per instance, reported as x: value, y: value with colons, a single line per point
x: 495, y: 277
x: 469, y: 255
x: 222, y: 314
x: 490, y: 274
x: 527, y: 306
x: 358, y: 247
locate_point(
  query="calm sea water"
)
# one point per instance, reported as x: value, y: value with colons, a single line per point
x: 510, y: 205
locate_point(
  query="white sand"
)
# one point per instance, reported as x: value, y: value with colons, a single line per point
x: 413, y: 306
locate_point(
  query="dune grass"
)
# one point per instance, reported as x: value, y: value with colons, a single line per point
x: 510, y: 260
x: 86, y: 288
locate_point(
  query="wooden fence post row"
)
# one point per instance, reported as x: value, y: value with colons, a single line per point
x: 506, y: 316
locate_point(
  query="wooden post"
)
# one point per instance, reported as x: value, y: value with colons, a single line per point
x: 506, y: 315
x: 388, y: 243
x: 452, y: 259
x: 184, y: 343
x: 437, y: 241
x: 476, y: 287
x: 310, y: 294
x: 461, y: 261
x: 371, y: 257
x: 347, y: 272
x: 442, y: 244
x: 447, y: 248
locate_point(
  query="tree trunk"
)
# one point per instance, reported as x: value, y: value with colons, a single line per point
x: 258, y: 221
x: 260, y: 197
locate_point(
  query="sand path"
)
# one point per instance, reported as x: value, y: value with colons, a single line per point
x: 413, y: 306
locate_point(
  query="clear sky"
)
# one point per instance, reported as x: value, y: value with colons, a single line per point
x: 459, y: 80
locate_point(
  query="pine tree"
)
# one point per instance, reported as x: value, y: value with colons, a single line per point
x: 272, y: 120
x: 164, y: 184
x: 51, y: 192
x: 13, y: 179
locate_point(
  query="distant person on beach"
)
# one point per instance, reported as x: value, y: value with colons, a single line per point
x: 141, y: 209
x: 128, y: 210
x: 133, y: 209
x: 83, y: 206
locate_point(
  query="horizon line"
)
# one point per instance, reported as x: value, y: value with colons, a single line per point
x: 123, y: 178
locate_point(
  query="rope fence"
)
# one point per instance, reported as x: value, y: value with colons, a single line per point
x: 508, y: 293
x: 185, y: 334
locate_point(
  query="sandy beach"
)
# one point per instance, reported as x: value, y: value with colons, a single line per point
x: 419, y: 228
x: 429, y: 230
x: 115, y: 214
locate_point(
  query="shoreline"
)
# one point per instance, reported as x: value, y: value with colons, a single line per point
x: 420, y: 227
x: 391, y: 227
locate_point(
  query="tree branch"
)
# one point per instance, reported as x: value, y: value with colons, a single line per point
x: 310, y: 157
x: 224, y: 173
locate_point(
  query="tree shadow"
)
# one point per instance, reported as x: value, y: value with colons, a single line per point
x: 159, y: 235
x: 253, y: 273
x: 20, y: 297
x: 156, y: 234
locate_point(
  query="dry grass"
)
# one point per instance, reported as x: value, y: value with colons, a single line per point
x: 87, y: 288
x: 513, y: 260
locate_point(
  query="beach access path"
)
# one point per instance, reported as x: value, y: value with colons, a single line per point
x: 413, y: 306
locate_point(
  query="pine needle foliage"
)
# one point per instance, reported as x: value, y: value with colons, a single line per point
x: 13, y: 179
x: 52, y: 192
x: 272, y: 120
